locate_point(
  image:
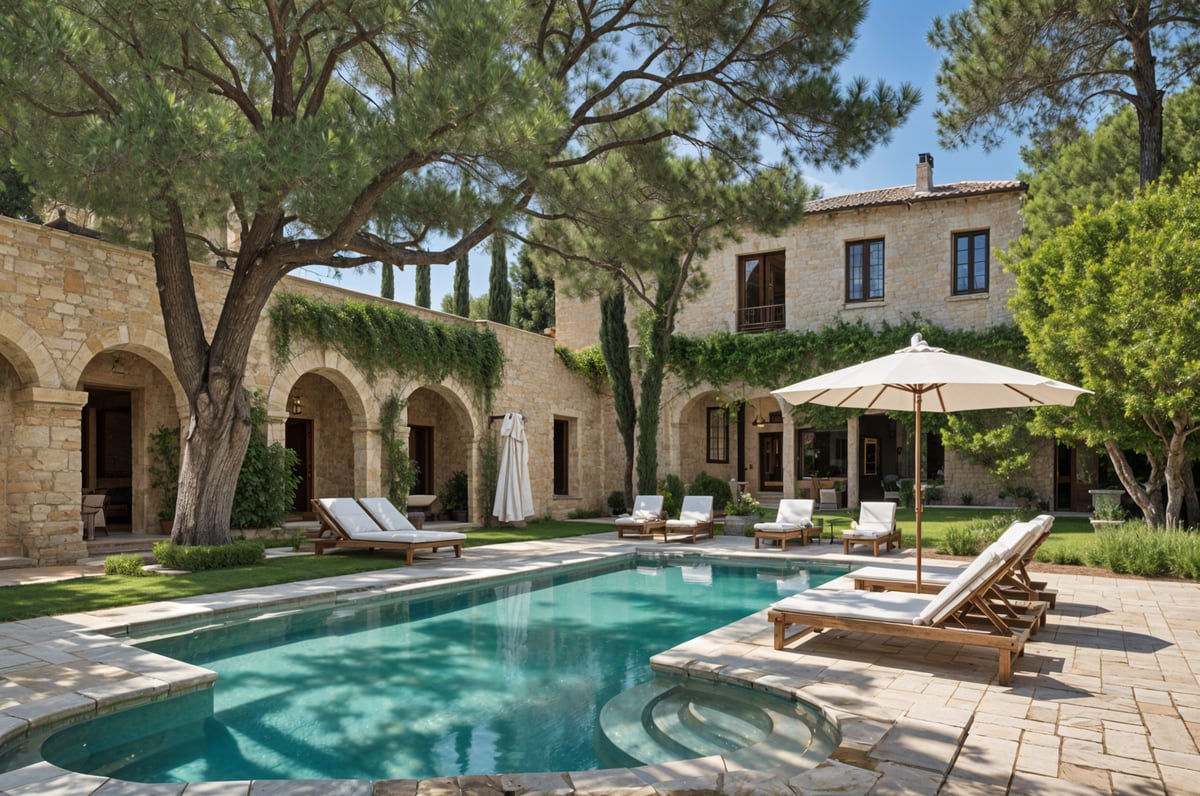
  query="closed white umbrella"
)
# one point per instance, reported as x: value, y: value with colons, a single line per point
x: 923, y: 378
x: 514, y: 495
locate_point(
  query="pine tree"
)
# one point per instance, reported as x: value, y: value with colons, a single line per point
x: 533, y: 296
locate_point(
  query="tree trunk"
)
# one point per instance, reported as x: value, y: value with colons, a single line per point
x: 211, y: 374
x: 1146, y: 498
x: 1149, y: 102
x: 657, y: 340
x: 1178, y: 460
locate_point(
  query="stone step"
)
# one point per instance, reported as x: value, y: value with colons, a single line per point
x: 16, y: 562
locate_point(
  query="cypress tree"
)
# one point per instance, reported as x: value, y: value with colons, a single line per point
x: 614, y: 345
x: 499, y: 290
x: 387, y: 287
x: 462, y: 286
x: 422, y: 297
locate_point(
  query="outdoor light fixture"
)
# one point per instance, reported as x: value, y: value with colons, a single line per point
x: 759, y: 420
x: 294, y: 406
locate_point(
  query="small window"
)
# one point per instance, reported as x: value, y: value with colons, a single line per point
x: 718, y: 436
x: 864, y: 270
x: 562, y: 457
x: 971, y: 255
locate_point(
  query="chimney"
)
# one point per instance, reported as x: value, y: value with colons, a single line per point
x: 924, y: 172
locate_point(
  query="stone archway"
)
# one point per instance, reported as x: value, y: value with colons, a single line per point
x: 442, y: 440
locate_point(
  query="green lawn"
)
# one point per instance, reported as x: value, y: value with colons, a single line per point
x: 111, y: 591
x: 1069, y: 535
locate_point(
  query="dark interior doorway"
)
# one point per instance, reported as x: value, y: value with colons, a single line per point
x: 107, y: 447
x: 770, y: 461
x: 420, y: 451
x: 298, y: 437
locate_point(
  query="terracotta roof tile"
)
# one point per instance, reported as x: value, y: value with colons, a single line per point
x: 907, y: 193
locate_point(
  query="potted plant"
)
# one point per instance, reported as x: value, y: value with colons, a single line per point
x: 454, y: 496
x: 1107, y: 513
x: 740, y: 514
x: 616, y: 502
x: 164, y: 472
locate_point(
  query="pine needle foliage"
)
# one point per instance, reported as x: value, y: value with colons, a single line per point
x: 380, y: 339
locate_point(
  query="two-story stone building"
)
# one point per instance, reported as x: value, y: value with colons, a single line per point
x: 877, y: 256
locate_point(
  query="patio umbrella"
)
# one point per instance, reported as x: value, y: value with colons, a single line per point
x: 514, y: 496
x: 923, y: 378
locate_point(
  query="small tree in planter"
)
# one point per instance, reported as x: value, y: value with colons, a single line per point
x: 454, y: 496
x: 616, y: 502
x: 164, y: 471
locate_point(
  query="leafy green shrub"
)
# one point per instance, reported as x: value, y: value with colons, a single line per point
x: 267, y: 481
x: 966, y: 498
x: 239, y: 553
x: 961, y: 541
x: 1132, y: 548
x: 672, y: 491
x: 907, y: 496
x: 705, y: 484
x: 128, y: 564
x: 1061, y: 555
x: 583, y: 514
x: 1185, y: 555
x: 616, y: 501
x: 455, y: 493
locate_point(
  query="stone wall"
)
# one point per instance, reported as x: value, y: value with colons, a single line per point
x: 79, y: 313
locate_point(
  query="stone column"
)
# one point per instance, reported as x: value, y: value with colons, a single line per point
x: 44, y: 471
x: 853, y: 463
x: 368, y: 461
x: 789, y: 450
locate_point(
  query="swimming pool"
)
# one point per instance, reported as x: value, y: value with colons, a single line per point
x: 509, y: 677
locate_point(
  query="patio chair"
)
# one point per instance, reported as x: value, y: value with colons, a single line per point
x: 92, y: 512
x: 961, y: 613
x: 1016, y: 584
x: 829, y: 499
x: 876, y: 525
x: 353, y: 527
x: 695, y: 518
x: 793, y: 520
x: 645, y: 519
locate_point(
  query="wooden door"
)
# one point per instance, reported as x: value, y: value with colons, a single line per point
x: 770, y: 461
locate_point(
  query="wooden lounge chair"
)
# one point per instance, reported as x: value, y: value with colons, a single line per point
x: 695, y: 518
x: 793, y: 520
x: 960, y: 613
x: 1015, y: 585
x: 353, y: 527
x: 876, y: 525
x: 645, y: 519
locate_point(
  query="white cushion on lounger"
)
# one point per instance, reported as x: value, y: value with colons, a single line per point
x: 384, y: 512
x: 779, y: 526
x: 352, y: 517
x: 885, y: 606
x: 409, y: 537
x: 866, y: 533
x: 696, y: 510
x: 945, y: 601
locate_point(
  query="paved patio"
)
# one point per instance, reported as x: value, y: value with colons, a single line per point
x: 1106, y: 698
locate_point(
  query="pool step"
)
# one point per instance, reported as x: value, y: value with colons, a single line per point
x: 668, y: 719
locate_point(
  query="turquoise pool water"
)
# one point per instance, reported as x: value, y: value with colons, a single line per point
x: 508, y: 678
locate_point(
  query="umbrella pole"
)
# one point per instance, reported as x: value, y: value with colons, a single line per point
x: 917, y: 487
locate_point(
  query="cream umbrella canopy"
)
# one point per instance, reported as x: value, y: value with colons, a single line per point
x: 923, y: 378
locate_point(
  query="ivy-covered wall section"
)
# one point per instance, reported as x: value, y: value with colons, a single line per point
x: 380, y: 339
x: 776, y: 359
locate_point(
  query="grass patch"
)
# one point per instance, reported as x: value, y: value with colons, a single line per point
x: 114, y: 591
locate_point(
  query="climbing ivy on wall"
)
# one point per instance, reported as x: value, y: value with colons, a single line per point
x: 586, y: 362
x: 776, y: 359
x: 379, y: 339
x: 399, y: 471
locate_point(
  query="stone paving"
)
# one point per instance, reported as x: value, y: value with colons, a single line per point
x: 1106, y: 698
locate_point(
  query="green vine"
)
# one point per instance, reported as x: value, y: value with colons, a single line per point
x: 399, y: 471
x: 776, y: 359
x: 379, y: 338
x: 586, y: 362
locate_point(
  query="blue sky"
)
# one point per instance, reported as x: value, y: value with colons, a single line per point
x: 892, y: 46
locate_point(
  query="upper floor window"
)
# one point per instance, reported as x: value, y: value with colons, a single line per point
x: 718, y: 435
x: 760, y: 292
x: 864, y: 270
x: 971, y: 254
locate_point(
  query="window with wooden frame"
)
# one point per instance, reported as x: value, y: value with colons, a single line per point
x: 717, y: 449
x: 760, y: 292
x: 971, y: 260
x: 864, y: 270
